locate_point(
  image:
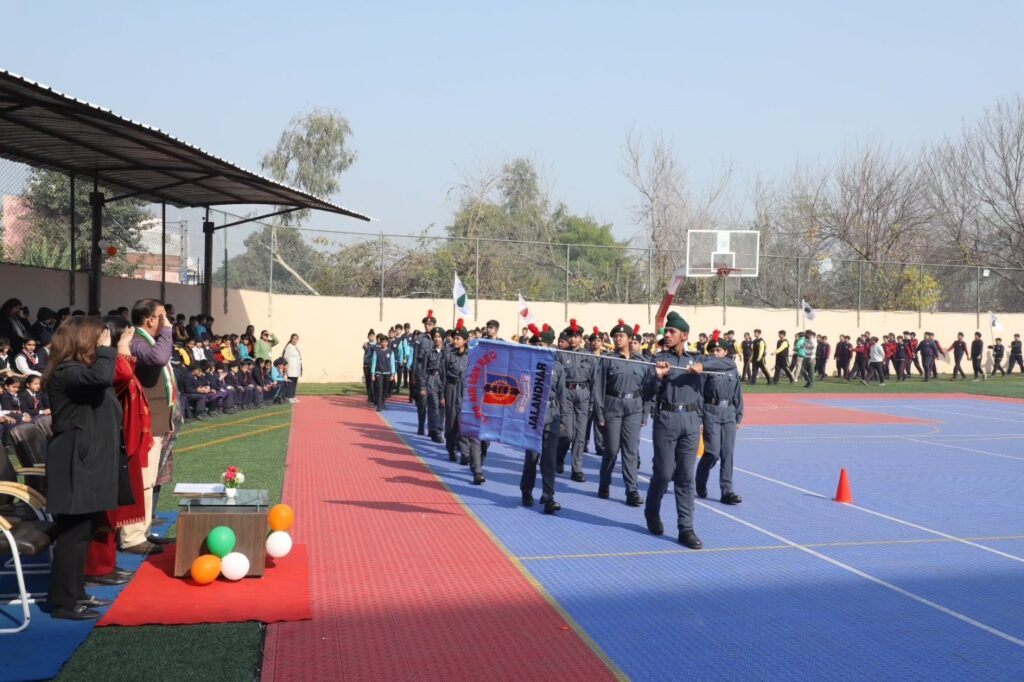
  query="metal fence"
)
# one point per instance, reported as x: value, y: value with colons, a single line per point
x: 44, y: 218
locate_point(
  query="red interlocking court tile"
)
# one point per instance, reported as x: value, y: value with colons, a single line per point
x: 764, y: 409
x: 405, y: 584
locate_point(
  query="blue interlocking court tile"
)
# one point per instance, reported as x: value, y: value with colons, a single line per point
x: 902, y: 600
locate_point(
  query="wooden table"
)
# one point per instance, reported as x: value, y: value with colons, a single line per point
x: 245, y: 514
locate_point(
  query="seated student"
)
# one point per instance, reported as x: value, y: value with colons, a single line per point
x: 240, y: 348
x: 183, y: 354
x: 192, y: 328
x: 33, y: 400
x: 263, y: 386
x: 196, y: 349
x: 208, y: 353
x: 27, y: 362
x: 6, y: 368
x: 222, y: 400
x: 228, y: 381
x: 279, y: 377
x: 10, y: 404
x: 193, y: 395
x: 180, y: 330
x: 243, y: 377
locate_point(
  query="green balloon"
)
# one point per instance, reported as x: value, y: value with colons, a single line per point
x: 221, y: 541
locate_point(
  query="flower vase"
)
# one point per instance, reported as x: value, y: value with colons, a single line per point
x: 230, y: 492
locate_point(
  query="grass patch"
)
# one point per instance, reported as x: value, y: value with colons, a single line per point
x: 257, y: 442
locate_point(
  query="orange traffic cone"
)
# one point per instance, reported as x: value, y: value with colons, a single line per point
x: 843, y: 493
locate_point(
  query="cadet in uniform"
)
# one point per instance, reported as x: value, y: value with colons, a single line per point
x: 619, y: 412
x: 1016, y: 355
x: 453, y: 369
x: 977, y: 353
x: 998, y: 350
x: 430, y: 386
x: 674, y: 383
x: 723, y: 413
x: 420, y: 348
x: 579, y: 374
x: 557, y: 405
x: 594, y: 346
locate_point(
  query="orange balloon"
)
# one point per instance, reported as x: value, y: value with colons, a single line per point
x: 111, y: 251
x: 281, y: 517
x: 205, y: 569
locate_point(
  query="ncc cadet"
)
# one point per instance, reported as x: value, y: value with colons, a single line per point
x: 674, y: 383
x: 620, y: 411
x: 998, y: 351
x: 723, y: 413
x: 595, y: 346
x: 1016, y: 355
x: 430, y: 386
x: 579, y: 375
x: 490, y: 333
x: 557, y: 406
x: 977, y: 353
x: 371, y: 342
x: 453, y: 369
x: 420, y: 348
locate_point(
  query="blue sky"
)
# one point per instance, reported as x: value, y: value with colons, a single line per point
x: 438, y: 90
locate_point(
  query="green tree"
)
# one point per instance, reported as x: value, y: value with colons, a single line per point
x: 310, y: 155
x: 46, y: 240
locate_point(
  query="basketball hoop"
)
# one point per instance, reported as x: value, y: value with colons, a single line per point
x: 721, y: 273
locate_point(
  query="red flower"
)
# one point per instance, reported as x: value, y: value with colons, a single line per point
x: 230, y: 475
x: 232, y: 469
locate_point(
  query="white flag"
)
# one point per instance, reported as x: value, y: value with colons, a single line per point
x: 808, y: 310
x: 994, y: 321
x: 525, y: 316
x: 459, y: 296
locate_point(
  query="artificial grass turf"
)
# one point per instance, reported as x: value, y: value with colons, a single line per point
x: 257, y: 442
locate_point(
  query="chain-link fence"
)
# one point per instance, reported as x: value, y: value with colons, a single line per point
x: 45, y: 222
x: 46, y: 218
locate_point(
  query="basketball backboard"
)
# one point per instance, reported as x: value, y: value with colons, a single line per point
x: 711, y: 253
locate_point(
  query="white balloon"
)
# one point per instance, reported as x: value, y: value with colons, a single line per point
x: 279, y: 543
x: 234, y: 566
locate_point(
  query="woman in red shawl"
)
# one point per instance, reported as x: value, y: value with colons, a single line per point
x: 101, y: 564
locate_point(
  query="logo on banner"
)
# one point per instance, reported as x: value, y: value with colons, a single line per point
x: 501, y: 390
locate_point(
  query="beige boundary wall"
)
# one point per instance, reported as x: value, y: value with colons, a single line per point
x: 332, y: 329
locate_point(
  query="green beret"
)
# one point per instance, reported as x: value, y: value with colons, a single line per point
x: 676, y: 321
x: 548, y: 335
x: 722, y: 343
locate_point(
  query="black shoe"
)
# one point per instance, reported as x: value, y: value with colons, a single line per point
x: 527, y: 500
x: 634, y: 499
x: 654, y: 524
x: 112, y: 578
x: 158, y: 540
x: 578, y: 477
x: 550, y: 507
x: 452, y: 457
x: 79, y: 612
x: 464, y: 461
x: 702, y: 490
x: 690, y: 539
x: 94, y: 602
x: 436, y: 438
x: 419, y: 431
x: 731, y: 498
x: 560, y: 468
x: 478, y: 479
x: 201, y: 417
x: 602, y: 492
x: 144, y: 547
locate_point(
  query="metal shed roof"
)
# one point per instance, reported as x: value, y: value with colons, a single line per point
x: 43, y: 127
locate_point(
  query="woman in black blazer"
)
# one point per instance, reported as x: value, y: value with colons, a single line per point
x: 84, y: 457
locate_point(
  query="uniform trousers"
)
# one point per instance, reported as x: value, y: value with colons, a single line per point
x: 576, y: 425
x: 1015, y: 360
x: 622, y: 417
x: 676, y: 435
x: 546, y: 458
x: 67, y: 575
x: 719, y: 445
x: 432, y: 405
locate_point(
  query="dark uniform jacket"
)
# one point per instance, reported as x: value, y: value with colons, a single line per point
x: 680, y: 388
x: 722, y: 390
x: 84, y: 455
x: 977, y: 349
x: 33, y: 404
x: 453, y: 373
x: 617, y: 384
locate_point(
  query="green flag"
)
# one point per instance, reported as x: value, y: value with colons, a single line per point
x: 459, y: 296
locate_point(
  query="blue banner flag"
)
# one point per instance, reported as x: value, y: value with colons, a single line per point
x: 507, y: 391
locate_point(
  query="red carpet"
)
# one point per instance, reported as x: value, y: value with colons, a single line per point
x: 155, y: 596
x: 405, y: 583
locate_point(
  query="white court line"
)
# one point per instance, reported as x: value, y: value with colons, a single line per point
x: 964, y: 415
x: 886, y: 516
x: 878, y: 581
x: 960, y: 447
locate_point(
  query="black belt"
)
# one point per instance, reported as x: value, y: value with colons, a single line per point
x: 678, y: 407
x: 715, y: 401
x: 625, y: 396
x: 585, y: 384
x: 434, y: 373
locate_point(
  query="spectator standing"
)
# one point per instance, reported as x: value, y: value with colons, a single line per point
x: 12, y: 327
x: 151, y: 347
x: 808, y: 350
x: 293, y: 357
x: 264, y: 345
x: 83, y: 458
